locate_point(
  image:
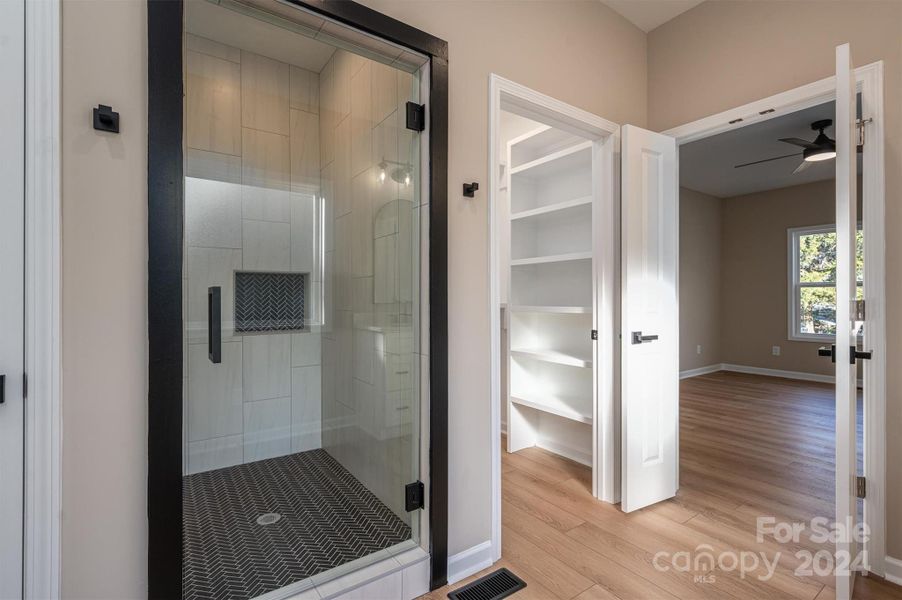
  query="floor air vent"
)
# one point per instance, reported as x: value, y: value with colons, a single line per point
x: 494, y: 586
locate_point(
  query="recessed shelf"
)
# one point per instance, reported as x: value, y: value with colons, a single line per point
x: 553, y: 356
x: 560, y: 310
x: 551, y: 209
x: 556, y: 258
x: 557, y: 162
x: 575, y: 409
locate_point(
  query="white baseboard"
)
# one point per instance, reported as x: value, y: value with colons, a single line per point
x: 778, y: 373
x: 472, y: 560
x: 893, y: 570
x: 566, y: 450
x: 701, y: 371
x: 800, y: 375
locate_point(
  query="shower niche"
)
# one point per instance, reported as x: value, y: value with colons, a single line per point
x: 303, y: 209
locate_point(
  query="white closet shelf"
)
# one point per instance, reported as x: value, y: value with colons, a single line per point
x: 575, y: 409
x: 552, y: 208
x: 559, y: 310
x: 557, y: 162
x: 553, y: 356
x: 555, y: 258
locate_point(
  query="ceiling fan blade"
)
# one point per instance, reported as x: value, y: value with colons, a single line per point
x: 758, y: 162
x: 799, y: 142
x: 805, y: 164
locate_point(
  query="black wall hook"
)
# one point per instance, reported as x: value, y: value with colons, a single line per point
x: 470, y: 189
x: 105, y: 119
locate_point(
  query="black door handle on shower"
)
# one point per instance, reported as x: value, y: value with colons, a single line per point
x: 2, y: 389
x: 214, y: 324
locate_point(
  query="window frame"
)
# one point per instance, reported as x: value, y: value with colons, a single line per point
x: 794, y: 285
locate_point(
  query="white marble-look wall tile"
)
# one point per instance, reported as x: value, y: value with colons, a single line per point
x: 216, y: 453
x: 210, y: 267
x: 267, y: 429
x: 341, y: 267
x: 342, y: 333
x: 214, y: 392
x: 213, y: 203
x: 306, y: 408
x: 385, y: 91
x: 212, y: 104
x: 362, y: 294
x: 304, y: 150
x: 267, y: 246
x: 327, y: 190
x: 264, y: 93
x: 328, y: 293
x: 305, y: 237
x: 343, y: 65
x: 327, y: 113
x: 362, y: 223
x: 364, y: 354
x: 265, y: 176
x: 361, y: 120
x: 267, y: 366
x: 341, y: 168
x: 303, y: 89
x: 207, y: 46
x: 306, y: 349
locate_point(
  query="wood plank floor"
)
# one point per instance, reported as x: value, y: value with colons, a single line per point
x: 749, y: 446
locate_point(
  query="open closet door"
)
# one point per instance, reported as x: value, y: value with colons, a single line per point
x: 649, y: 318
x: 846, y: 342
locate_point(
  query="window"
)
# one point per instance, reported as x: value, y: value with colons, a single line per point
x: 812, y: 281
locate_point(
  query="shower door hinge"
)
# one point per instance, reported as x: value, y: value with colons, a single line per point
x: 413, y: 496
x: 416, y: 116
x: 858, y: 310
x: 861, y: 487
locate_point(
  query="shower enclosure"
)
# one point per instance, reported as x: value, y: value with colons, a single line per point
x: 304, y: 242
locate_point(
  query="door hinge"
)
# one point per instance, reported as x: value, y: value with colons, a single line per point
x: 416, y: 116
x: 861, y: 487
x: 594, y: 334
x: 860, y: 123
x: 414, y: 496
x: 858, y: 310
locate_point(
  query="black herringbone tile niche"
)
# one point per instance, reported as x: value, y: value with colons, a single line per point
x: 269, y: 301
x: 328, y: 518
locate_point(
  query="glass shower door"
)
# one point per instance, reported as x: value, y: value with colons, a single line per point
x: 302, y: 301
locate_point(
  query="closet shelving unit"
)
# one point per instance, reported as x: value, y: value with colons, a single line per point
x: 550, y: 396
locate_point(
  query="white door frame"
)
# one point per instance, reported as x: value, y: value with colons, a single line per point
x: 869, y: 80
x: 42, y: 299
x: 511, y: 96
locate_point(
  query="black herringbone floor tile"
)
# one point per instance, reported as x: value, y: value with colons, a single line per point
x: 328, y: 518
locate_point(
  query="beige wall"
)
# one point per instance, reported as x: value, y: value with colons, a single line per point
x: 754, y: 276
x: 723, y: 54
x: 700, y: 268
x: 104, y: 303
x: 578, y: 51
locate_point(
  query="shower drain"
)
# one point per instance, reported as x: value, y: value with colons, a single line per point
x: 268, y: 518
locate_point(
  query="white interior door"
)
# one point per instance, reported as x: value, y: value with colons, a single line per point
x: 649, y: 318
x: 846, y: 384
x: 12, y: 231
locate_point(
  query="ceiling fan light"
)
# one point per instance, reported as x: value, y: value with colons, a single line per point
x: 819, y: 154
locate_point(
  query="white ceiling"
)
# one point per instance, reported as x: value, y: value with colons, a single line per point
x: 649, y: 14
x: 708, y: 165
x: 227, y: 26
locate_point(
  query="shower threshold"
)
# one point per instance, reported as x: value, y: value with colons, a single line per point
x: 295, y: 520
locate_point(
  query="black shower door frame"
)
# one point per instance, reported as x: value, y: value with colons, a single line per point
x: 165, y: 200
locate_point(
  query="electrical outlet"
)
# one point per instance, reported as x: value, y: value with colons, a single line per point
x: 775, y: 350
x: 698, y: 349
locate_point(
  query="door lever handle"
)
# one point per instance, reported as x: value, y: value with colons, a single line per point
x: 638, y: 338
x: 2, y: 389
x: 828, y: 351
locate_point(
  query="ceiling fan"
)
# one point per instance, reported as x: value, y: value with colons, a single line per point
x: 822, y: 148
